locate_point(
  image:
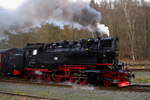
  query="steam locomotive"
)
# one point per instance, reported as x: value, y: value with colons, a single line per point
x: 86, y: 61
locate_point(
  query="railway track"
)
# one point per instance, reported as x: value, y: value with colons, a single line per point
x: 133, y: 88
x: 32, y: 82
x: 26, y: 96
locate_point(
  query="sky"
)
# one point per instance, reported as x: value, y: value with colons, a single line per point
x: 10, y: 4
x: 14, y: 4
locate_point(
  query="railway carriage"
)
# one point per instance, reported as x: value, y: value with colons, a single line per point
x: 11, y: 61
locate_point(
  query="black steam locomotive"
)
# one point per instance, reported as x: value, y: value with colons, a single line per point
x: 85, y: 61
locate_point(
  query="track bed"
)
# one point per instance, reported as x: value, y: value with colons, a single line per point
x: 74, y: 93
x: 135, y: 87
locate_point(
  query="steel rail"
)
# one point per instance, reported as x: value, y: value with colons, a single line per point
x: 23, y: 95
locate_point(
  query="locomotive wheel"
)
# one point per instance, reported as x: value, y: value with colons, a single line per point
x: 38, y: 77
x: 53, y: 77
x: 107, y: 83
x: 56, y: 78
x: 83, y: 82
x: 47, y: 77
x: 27, y: 75
x: 71, y: 80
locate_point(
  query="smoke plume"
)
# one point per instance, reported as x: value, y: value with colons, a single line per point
x: 102, y: 29
x: 35, y: 13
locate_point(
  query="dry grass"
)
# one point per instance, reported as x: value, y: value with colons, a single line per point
x: 129, y: 61
x: 142, y: 77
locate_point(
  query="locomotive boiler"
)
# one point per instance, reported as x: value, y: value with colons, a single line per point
x: 99, y: 51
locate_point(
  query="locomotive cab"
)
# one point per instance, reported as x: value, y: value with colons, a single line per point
x: 107, y: 51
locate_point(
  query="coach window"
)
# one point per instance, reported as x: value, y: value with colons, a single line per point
x: 35, y: 52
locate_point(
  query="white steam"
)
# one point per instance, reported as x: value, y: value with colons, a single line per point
x: 102, y: 29
x: 35, y: 13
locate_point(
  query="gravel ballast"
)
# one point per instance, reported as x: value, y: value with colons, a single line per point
x: 75, y: 93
